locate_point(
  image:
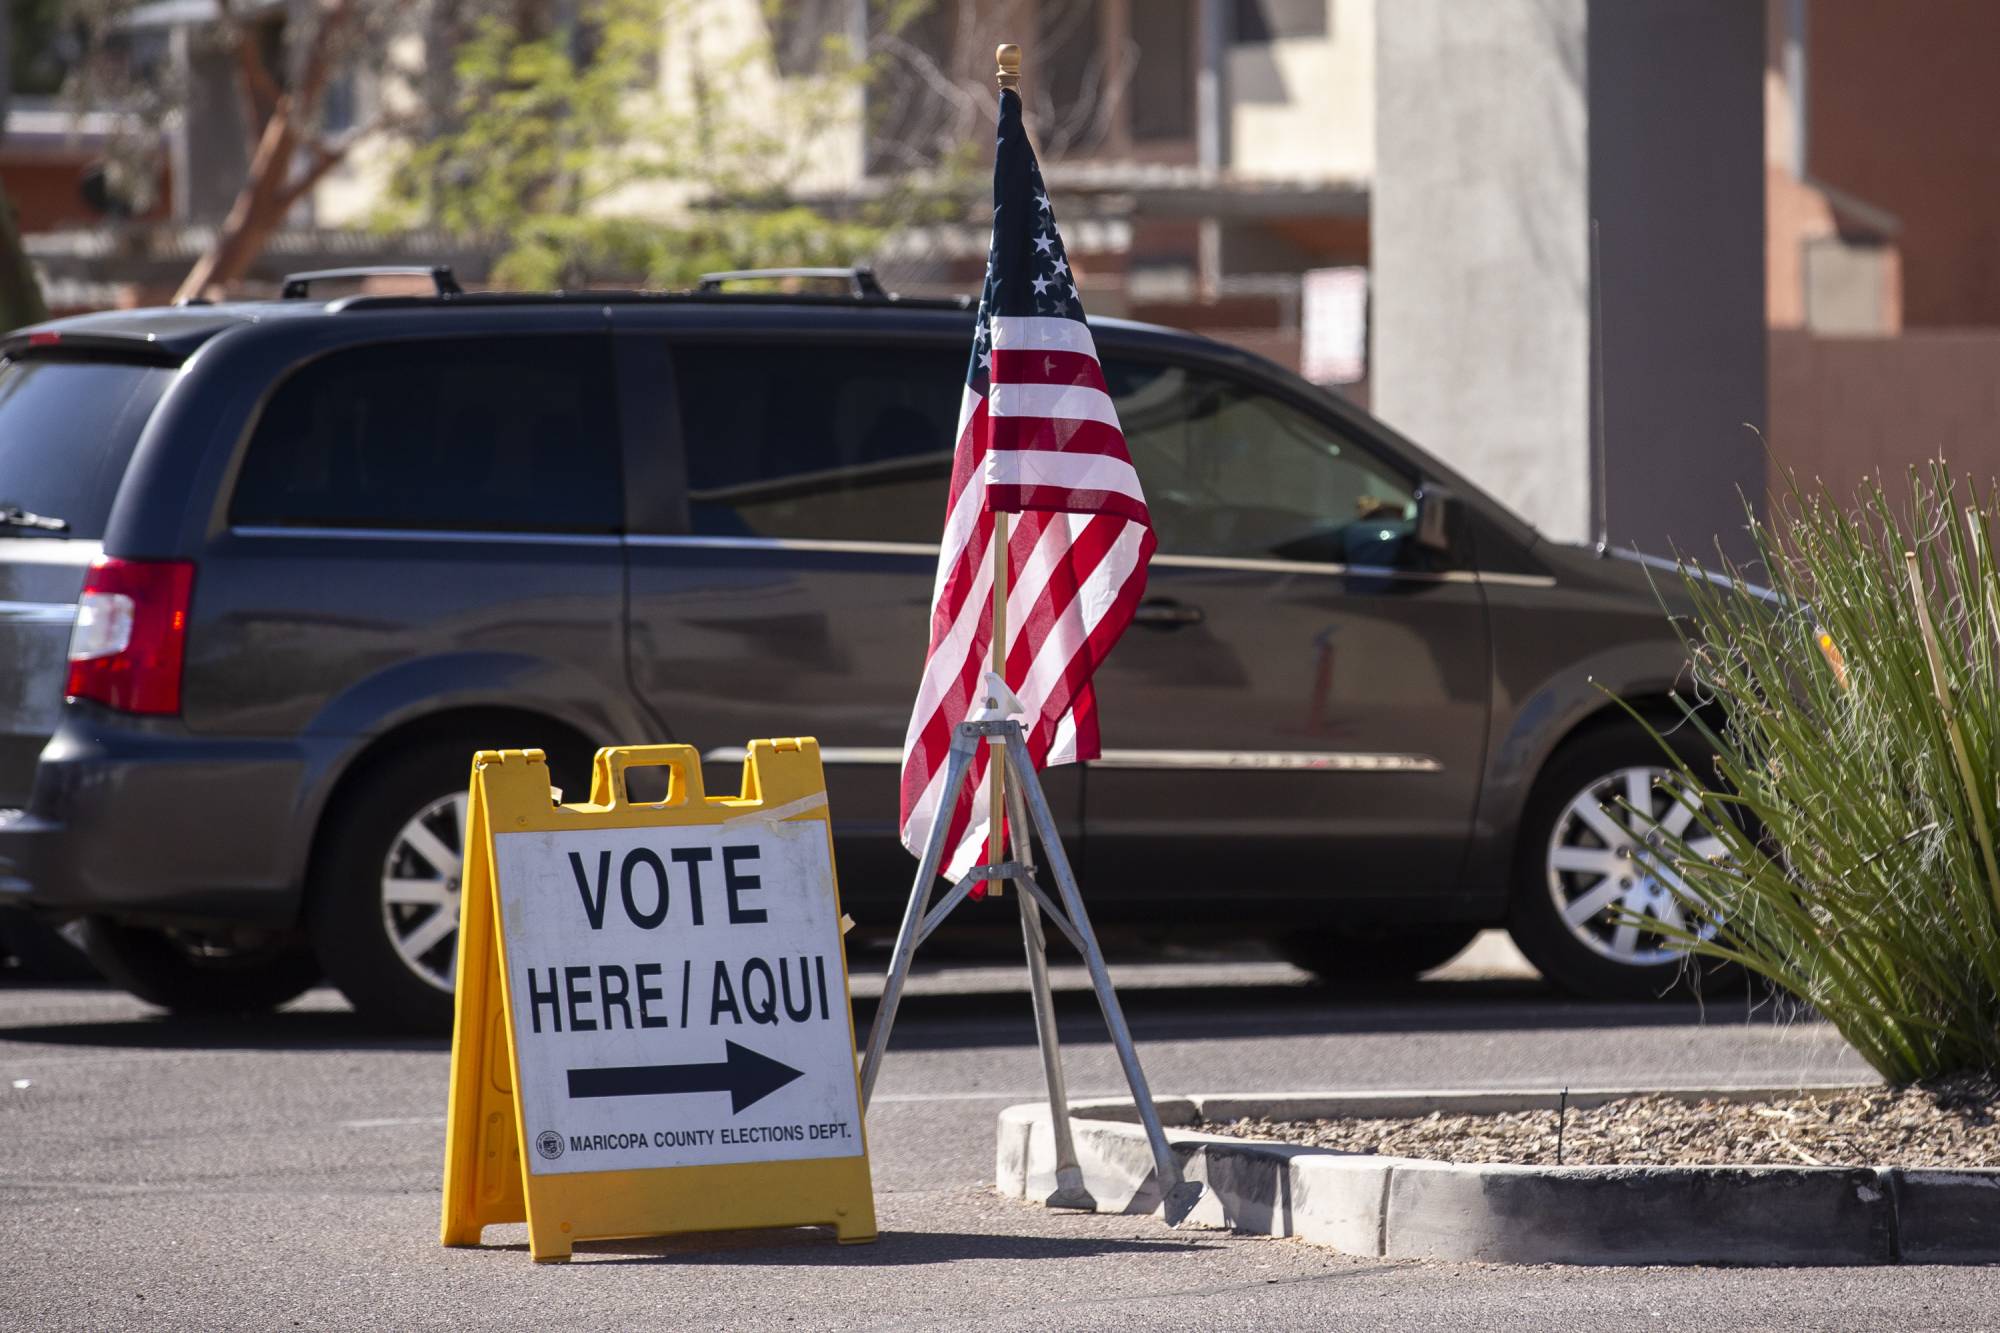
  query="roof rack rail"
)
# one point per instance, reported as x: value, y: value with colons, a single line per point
x: 866, y: 285
x: 298, y: 285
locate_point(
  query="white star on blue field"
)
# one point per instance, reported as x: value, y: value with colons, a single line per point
x: 1027, y: 271
x: 1054, y: 295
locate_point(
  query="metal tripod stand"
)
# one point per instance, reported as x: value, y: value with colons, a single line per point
x: 1010, y: 748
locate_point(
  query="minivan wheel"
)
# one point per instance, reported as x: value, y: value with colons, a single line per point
x: 1586, y: 865
x: 1347, y: 957
x: 194, y: 972
x: 385, y: 888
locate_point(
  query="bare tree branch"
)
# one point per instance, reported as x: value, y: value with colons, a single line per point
x: 254, y: 213
x: 952, y: 96
x: 924, y: 67
x: 324, y: 155
x: 322, y: 160
x: 256, y: 86
x: 320, y: 59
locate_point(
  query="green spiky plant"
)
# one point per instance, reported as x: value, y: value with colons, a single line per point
x: 1854, y: 707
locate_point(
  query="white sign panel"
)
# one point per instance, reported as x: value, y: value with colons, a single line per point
x: 678, y: 997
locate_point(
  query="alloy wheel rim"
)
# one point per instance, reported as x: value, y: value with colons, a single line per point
x: 420, y: 890
x: 1607, y: 864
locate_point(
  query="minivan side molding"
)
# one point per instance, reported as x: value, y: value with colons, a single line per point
x: 1328, y: 761
x: 428, y: 535
x: 694, y: 542
x: 929, y: 549
x: 1248, y: 565
x: 1213, y: 761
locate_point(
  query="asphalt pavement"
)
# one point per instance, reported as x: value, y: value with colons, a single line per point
x: 285, y: 1173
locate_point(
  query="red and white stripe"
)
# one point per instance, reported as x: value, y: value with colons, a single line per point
x: 1045, y: 443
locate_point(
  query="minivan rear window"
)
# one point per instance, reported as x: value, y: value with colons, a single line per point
x: 507, y: 434
x: 67, y: 428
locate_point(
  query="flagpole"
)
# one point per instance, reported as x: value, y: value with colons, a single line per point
x: 1011, y: 772
x: 1007, y: 74
x: 996, y: 772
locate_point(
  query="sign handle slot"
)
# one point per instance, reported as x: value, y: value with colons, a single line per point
x: 682, y: 762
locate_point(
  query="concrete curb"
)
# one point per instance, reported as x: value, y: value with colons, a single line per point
x: 1401, y: 1208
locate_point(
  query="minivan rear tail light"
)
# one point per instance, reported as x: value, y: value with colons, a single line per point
x: 131, y: 626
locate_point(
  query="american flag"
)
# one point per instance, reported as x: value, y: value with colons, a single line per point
x: 1037, y: 436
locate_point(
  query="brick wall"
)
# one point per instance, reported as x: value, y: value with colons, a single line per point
x: 1844, y: 408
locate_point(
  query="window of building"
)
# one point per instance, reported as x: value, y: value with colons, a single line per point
x: 1162, y: 90
x: 1229, y: 471
x: 822, y: 442
x: 800, y: 29
x: 1073, y: 84
x: 1274, y: 20
x: 473, y: 434
x: 912, y: 122
x: 338, y: 104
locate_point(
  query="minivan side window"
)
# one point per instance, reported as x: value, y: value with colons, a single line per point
x: 1229, y: 471
x: 821, y: 441
x: 468, y: 434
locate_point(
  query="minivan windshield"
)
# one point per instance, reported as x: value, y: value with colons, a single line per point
x: 67, y: 428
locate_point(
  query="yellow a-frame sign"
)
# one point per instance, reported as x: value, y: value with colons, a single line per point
x: 653, y: 1032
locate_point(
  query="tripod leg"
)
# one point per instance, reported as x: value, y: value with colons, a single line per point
x: 962, y: 747
x: 1181, y: 1194
x: 1070, y: 1191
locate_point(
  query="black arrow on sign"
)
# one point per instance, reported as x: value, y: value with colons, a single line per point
x: 742, y: 1073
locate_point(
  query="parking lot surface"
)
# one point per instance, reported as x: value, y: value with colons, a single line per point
x: 285, y: 1173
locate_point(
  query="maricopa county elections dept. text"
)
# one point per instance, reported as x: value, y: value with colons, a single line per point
x: 665, y: 980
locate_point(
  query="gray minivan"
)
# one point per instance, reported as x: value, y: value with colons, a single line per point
x: 271, y: 571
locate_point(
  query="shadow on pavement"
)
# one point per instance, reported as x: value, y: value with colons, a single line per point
x: 283, y: 1031
x: 893, y: 1249
x: 953, y: 1021
x: 1000, y: 1016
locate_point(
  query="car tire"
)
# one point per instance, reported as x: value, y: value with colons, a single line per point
x: 395, y: 962
x: 186, y: 973
x: 402, y: 824
x: 1346, y: 957
x: 1577, y: 867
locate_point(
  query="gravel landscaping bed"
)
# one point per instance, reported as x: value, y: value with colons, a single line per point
x: 1948, y: 1123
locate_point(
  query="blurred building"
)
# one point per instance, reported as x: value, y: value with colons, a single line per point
x: 1569, y: 257
x: 60, y: 179
x: 1344, y: 186
x: 115, y: 207
x: 1207, y: 155
x: 1884, y: 264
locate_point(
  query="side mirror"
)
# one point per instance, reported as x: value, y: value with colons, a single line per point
x: 1437, y: 518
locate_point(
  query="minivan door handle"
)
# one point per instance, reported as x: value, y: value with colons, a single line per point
x: 1166, y: 613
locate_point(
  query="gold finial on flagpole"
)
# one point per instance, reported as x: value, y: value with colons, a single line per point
x: 1007, y: 58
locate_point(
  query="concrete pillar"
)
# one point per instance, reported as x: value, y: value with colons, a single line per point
x: 1504, y: 129
x: 210, y: 152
